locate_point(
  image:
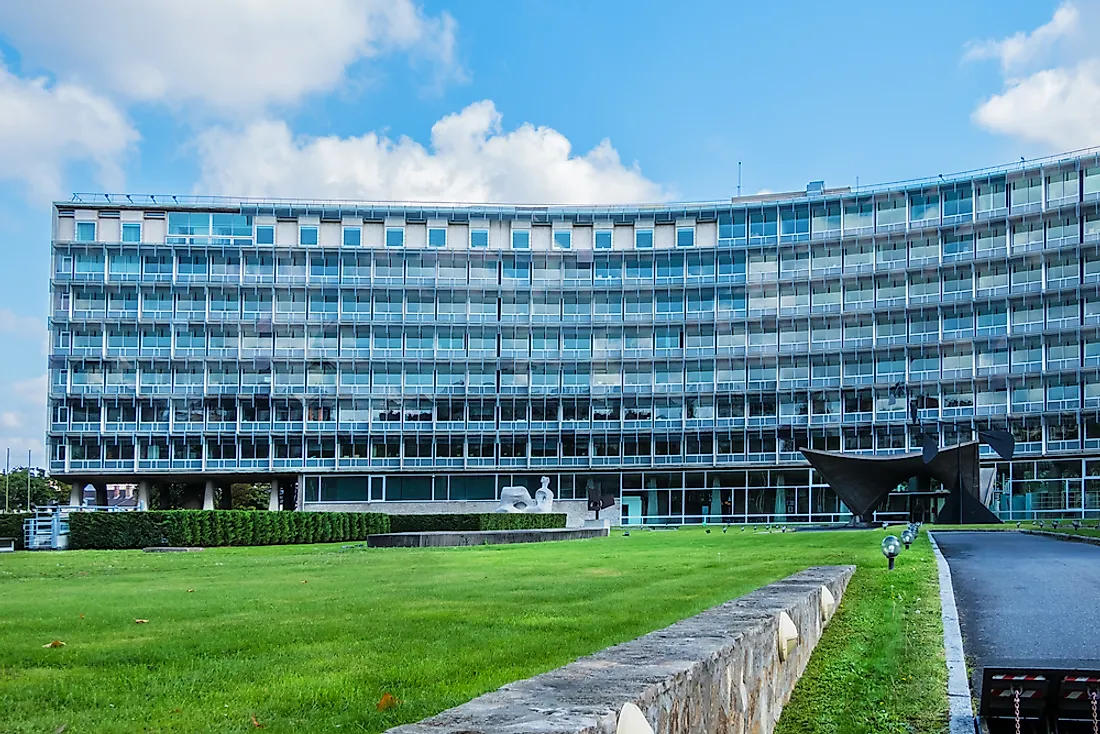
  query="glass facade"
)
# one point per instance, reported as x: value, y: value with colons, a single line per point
x: 676, y: 357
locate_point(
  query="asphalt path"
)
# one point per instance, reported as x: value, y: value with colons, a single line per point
x: 1025, y: 600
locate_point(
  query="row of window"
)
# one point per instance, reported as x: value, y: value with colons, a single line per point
x: 887, y: 328
x: 197, y: 305
x: 928, y: 364
x: 788, y: 221
x: 667, y: 269
x: 183, y: 230
x: 714, y: 445
x: 949, y: 400
x: 1026, y: 235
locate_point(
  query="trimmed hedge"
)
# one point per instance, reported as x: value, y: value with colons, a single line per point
x: 11, y: 526
x: 472, y: 522
x: 208, y: 528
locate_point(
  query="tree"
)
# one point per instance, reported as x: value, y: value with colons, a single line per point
x: 250, y: 496
x: 43, y: 489
x: 165, y: 496
x: 174, y: 495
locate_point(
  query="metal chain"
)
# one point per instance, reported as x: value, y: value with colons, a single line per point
x: 1016, y: 705
x: 1094, y: 696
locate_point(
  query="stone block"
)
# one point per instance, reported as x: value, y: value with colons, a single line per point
x: 718, y: 672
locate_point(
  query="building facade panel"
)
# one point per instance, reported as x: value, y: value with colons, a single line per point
x: 673, y: 356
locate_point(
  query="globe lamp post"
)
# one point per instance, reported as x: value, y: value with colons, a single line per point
x: 891, y: 547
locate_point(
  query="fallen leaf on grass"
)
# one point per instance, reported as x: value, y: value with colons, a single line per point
x: 55, y: 643
x: 190, y: 591
x: 82, y: 616
x: 141, y: 621
x: 387, y: 702
x: 256, y: 723
x: 305, y: 582
x: 59, y: 729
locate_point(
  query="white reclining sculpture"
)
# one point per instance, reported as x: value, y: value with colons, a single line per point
x: 518, y: 499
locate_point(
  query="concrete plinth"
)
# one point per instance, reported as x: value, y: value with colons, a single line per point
x: 208, y: 495
x: 172, y: 549
x: 445, y: 538
x: 575, y: 511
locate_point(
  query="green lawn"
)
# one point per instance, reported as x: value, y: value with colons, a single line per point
x: 1064, y: 527
x: 309, y: 638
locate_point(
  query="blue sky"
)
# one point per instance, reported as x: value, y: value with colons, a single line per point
x: 537, y: 100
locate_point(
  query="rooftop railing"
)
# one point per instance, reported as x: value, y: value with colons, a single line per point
x: 475, y: 208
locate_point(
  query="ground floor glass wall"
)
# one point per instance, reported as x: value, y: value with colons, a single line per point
x: 1028, y: 490
x: 1023, y: 489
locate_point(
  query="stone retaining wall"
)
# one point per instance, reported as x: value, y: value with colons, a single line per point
x: 716, y: 672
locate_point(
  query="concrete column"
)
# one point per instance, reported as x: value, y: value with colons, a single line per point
x: 208, y: 495
x: 273, y: 497
x: 300, y: 494
x: 289, y: 494
x: 143, y: 495
x: 780, y: 504
x: 76, y: 494
x: 101, y: 494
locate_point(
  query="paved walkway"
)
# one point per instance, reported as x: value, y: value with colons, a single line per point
x: 1025, y: 600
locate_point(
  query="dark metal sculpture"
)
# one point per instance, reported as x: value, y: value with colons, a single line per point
x: 598, y: 497
x: 864, y: 482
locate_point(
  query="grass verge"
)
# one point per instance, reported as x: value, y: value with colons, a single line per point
x: 879, y: 667
x: 1064, y: 527
x: 309, y: 638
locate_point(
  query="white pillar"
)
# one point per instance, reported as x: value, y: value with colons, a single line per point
x: 76, y: 494
x: 208, y: 495
x: 143, y: 495
x: 273, y: 497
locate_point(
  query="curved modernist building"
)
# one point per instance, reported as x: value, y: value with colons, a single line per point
x: 672, y: 356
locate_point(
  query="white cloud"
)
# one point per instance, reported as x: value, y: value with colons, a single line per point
x: 43, y: 126
x: 23, y: 418
x: 19, y: 446
x: 1057, y: 107
x: 233, y: 55
x: 471, y: 158
x: 1022, y: 49
x: 31, y: 391
x: 1051, y: 92
x: 19, y: 325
